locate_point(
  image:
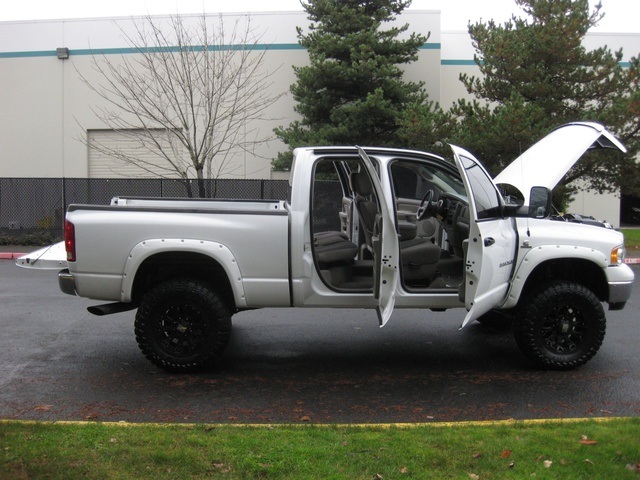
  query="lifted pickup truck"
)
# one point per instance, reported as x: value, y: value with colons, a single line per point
x: 375, y: 228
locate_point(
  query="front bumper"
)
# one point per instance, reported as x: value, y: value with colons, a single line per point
x: 620, y: 280
x: 67, y: 282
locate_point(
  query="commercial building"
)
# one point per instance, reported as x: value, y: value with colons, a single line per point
x: 47, y: 114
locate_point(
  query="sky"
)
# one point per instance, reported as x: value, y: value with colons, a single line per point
x: 620, y: 15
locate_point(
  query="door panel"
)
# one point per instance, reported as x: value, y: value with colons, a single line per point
x: 492, y: 240
x: 385, y: 248
x: 488, y: 266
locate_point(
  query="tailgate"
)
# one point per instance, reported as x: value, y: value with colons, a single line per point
x: 53, y: 257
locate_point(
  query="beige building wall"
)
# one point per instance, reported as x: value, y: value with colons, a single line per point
x: 46, y: 110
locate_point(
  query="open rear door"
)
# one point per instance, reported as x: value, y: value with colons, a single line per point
x: 385, y: 248
x: 491, y: 250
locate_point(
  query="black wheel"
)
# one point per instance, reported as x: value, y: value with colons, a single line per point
x: 561, y: 326
x: 182, y: 326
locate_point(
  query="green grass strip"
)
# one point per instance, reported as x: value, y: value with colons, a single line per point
x: 512, y: 449
x: 631, y: 238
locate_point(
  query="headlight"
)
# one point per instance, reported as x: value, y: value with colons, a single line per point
x: 617, y: 255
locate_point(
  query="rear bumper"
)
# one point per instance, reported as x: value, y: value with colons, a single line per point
x: 67, y: 282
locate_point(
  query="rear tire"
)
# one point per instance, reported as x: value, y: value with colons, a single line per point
x: 182, y: 326
x: 561, y: 326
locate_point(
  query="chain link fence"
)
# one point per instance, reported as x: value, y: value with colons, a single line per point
x: 31, y: 206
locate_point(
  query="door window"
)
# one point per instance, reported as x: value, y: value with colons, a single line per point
x: 486, y: 196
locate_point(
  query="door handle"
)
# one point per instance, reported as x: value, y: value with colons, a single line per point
x: 489, y: 241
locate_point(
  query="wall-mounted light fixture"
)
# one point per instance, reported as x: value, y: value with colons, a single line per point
x: 62, y: 53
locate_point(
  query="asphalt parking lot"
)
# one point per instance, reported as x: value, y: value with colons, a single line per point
x: 58, y: 362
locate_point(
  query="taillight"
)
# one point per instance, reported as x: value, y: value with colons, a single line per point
x: 70, y: 240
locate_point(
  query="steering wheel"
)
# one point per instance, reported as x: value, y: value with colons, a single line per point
x: 427, y: 207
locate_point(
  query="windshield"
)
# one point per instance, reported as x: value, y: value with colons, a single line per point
x: 412, y: 180
x: 447, y: 182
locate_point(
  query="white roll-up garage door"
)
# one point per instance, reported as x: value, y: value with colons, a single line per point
x: 108, y: 150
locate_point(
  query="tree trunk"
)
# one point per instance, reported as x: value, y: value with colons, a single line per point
x: 187, y: 185
x: 202, y: 190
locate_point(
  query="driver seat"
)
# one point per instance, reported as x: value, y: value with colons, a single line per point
x: 418, y: 256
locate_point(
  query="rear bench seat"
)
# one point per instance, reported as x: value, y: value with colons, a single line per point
x: 332, y: 247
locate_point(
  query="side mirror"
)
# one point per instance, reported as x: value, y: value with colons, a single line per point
x: 539, y: 202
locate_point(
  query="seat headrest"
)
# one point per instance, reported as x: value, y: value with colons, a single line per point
x: 360, y: 183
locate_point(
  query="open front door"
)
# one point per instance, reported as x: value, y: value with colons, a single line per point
x: 385, y: 248
x: 491, y: 249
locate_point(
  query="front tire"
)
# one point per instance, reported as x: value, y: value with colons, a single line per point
x: 561, y: 326
x: 182, y: 326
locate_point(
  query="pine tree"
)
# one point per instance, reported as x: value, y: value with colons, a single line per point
x: 352, y: 92
x: 536, y: 74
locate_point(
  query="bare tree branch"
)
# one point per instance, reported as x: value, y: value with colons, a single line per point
x: 193, y: 94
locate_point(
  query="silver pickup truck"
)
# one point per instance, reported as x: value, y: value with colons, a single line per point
x: 374, y: 228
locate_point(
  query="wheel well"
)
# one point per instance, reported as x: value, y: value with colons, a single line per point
x: 168, y: 265
x: 582, y: 272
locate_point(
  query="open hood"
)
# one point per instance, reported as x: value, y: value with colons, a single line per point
x: 546, y: 162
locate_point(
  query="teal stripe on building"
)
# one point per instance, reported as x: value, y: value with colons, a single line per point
x: 458, y: 62
x: 130, y: 50
x: 258, y: 47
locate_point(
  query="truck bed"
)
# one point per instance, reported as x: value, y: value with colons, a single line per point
x: 112, y: 241
x: 199, y: 203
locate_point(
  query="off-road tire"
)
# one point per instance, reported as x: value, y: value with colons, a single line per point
x: 182, y: 326
x: 561, y: 326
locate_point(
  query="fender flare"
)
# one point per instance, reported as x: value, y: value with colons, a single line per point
x: 544, y: 253
x: 214, y: 250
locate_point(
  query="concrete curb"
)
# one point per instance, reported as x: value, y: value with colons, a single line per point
x: 10, y: 256
x: 406, y: 426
